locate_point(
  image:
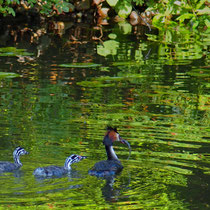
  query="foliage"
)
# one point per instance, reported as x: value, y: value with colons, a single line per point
x: 168, y: 13
x: 58, y: 5
x: 123, y: 7
x: 5, y: 7
x: 45, y: 7
x: 172, y: 13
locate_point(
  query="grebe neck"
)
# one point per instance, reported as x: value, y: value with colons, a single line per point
x: 67, y: 164
x: 111, y: 153
x: 17, y: 159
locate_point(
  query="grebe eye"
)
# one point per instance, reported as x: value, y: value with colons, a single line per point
x: 73, y: 157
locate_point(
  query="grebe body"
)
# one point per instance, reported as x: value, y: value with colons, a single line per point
x: 58, y: 171
x: 112, y: 165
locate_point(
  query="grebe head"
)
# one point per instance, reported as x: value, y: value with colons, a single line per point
x: 111, y: 136
x: 72, y: 159
x: 19, y: 151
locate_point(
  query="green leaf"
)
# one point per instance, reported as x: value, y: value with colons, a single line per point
x: 207, y: 22
x: 200, y: 4
x: 109, y: 47
x: 195, y: 24
x: 123, y: 8
x: 112, y: 3
x: 204, y: 11
x: 112, y: 36
x: 65, y: 9
x: 157, y: 18
x: 185, y: 16
x: 11, y: 11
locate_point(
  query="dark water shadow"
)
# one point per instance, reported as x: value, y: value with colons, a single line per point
x: 109, y: 191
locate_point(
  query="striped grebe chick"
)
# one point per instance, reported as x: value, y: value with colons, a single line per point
x: 58, y: 171
x: 112, y: 165
x: 6, y: 166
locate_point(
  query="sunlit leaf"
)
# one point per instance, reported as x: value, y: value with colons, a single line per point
x: 123, y: 8
x: 112, y: 36
x: 158, y: 20
x: 112, y: 3
x: 185, y: 16
x: 11, y: 11
x: 207, y: 22
x: 200, y: 4
x: 204, y: 11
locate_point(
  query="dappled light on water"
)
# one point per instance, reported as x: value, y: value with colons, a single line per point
x: 59, y: 103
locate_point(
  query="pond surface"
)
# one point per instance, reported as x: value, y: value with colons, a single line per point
x: 153, y: 88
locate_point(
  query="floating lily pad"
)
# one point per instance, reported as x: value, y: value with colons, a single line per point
x: 79, y: 65
x: 12, y: 51
x: 112, y: 36
x: 109, y: 47
x: 199, y: 73
x: 126, y: 63
x: 94, y: 84
x: 8, y: 75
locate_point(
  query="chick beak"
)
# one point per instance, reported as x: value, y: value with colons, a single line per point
x: 83, y: 157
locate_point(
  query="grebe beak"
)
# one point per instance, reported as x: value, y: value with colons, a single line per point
x: 83, y: 157
x: 129, y: 146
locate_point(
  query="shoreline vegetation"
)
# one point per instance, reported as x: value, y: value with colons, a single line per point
x: 44, y: 23
x: 162, y: 14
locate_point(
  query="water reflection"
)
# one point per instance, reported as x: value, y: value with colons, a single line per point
x: 56, y: 182
x: 17, y: 173
x: 73, y: 174
x: 157, y: 94
x: 108, y: 191
x: 112, y: 190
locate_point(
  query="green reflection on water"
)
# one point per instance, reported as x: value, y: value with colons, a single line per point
x: 159, y: 103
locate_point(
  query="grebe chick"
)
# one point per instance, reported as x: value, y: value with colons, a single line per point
x: 58, y: 171
x: 112, y: 165
x: 6, y: 166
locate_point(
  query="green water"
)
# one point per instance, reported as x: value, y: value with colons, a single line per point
x: 155, y: 92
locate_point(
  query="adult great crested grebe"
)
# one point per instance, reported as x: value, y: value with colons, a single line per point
x: 6, y: 166
x: 112, y: 165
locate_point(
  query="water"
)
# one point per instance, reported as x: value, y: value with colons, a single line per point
x: 155, y: 91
